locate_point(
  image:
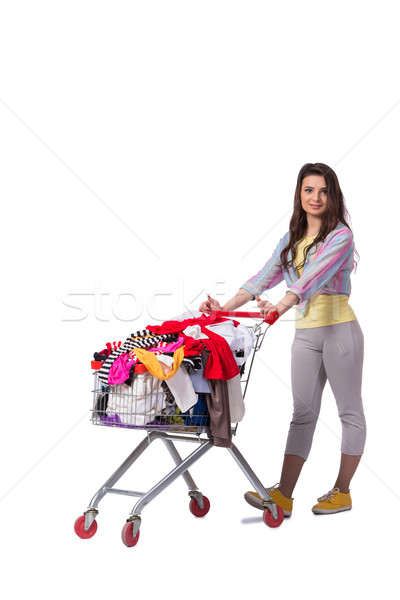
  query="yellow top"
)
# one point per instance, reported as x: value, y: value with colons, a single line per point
x: 323, y: 309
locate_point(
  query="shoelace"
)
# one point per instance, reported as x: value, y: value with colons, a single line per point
x: 273, y: 487
x: 329, y: 496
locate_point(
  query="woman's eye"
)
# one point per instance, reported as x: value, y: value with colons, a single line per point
x: 324, y: 191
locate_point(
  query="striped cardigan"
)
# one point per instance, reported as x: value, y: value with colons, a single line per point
x: 326, y: 271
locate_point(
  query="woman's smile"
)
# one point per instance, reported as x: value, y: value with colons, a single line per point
x: 314, y: 195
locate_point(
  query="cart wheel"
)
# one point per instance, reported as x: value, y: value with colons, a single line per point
x: 269, y: 519
x: 195, y: 508
x: 80, y: 528
x: 127, y: 537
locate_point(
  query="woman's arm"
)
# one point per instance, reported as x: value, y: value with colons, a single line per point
x: 329, y: 259
x: 271, y: 274
x: 266, y: 308
x: 287, y: 302
x: 268, y: 277
x: 240, y: 298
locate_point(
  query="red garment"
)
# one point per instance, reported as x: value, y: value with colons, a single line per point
x: 221, y: 363
x: 110, y: 348
x: 192, y: 347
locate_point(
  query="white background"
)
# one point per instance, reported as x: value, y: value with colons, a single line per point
x: 149, y: 154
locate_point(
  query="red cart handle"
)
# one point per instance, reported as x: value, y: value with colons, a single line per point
x: 255, y: 315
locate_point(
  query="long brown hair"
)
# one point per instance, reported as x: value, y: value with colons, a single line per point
x: 336, y: 210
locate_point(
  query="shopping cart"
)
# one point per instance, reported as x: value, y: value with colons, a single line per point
x: 138, y: 407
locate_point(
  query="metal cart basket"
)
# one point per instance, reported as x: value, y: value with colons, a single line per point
x: 139, y: 407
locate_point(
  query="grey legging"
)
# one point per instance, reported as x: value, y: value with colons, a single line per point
x: 334, y: 352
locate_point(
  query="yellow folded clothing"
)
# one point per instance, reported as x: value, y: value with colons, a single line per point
x: 154, y: 366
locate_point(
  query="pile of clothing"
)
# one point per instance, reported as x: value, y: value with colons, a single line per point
x: 191, y: 375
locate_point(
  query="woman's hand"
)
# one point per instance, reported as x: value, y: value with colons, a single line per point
x: 281, y: 307
x: 209, y: 305
x: 265, y: 307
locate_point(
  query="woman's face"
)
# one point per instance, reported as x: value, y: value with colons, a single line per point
x: 314, y: 195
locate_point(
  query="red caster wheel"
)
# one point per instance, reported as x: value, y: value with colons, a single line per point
x: 80, y: 528
x: 195, y: 508
x: 269, y: 519
x: 127, y: 535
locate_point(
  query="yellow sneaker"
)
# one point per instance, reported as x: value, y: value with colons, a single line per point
x: 332, y: 502
x: 286, y: 504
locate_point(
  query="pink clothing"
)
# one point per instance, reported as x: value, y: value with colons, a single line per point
x: 120, y: 368
x: 163, y: 347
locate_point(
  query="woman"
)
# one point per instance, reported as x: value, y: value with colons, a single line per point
x: 315, y: 258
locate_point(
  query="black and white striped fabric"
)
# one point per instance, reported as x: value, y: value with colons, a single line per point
x: 193, y: 362
x: 141, y: 339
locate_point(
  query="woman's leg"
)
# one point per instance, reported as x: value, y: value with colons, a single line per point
x: 348, y: 466
x: 291, y: 469
x: 343, y: 359
x: 308, y: 381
